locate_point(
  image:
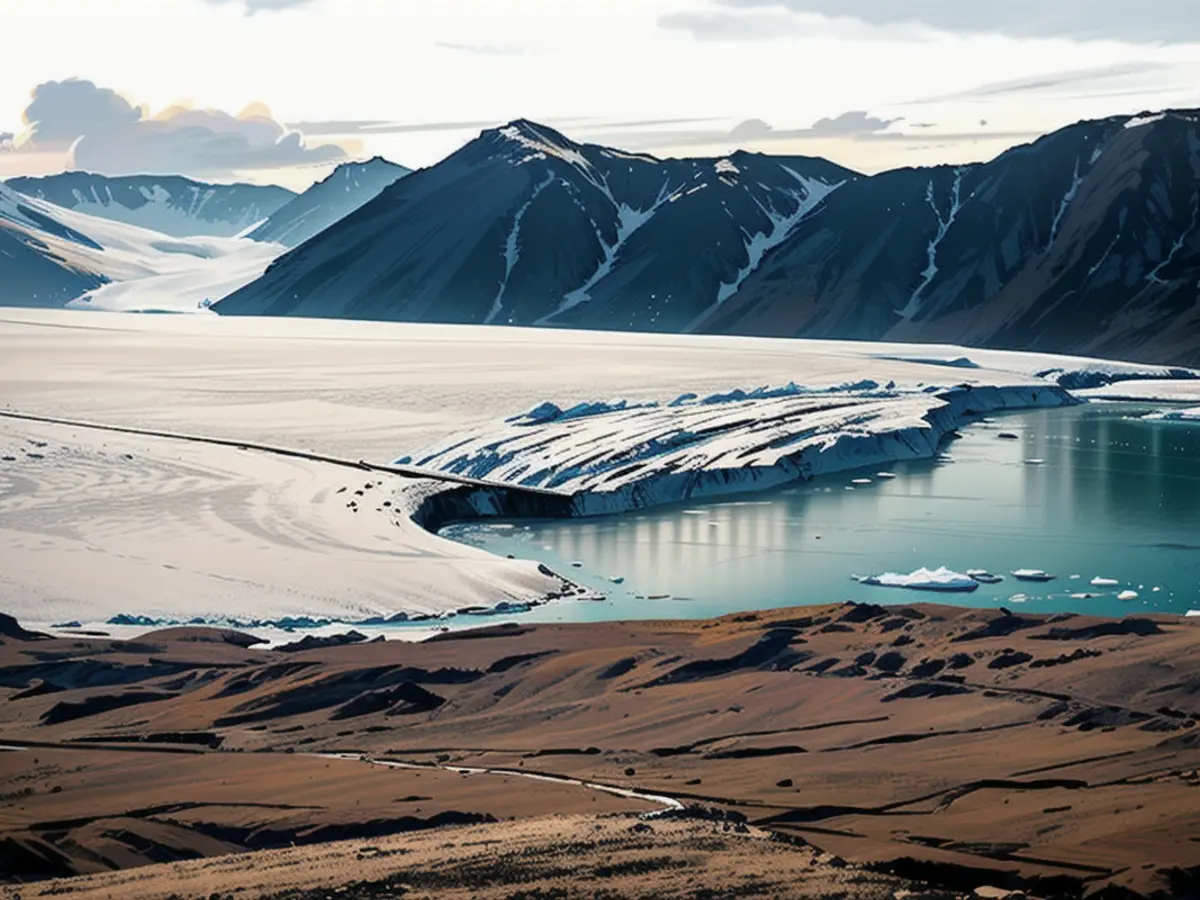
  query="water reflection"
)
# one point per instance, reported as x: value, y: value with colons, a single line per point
x: 1111, y: 495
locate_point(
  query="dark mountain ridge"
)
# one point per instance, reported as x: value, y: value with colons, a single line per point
x: 524, y: 226
x: 1086, y: 240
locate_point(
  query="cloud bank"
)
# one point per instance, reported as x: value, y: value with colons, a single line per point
x: 101, y: 131
x: 1146, y: 21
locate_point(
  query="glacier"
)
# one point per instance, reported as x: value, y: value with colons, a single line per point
x: 608, y: 457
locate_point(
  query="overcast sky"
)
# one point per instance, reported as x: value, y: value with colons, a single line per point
x: 281, y: 90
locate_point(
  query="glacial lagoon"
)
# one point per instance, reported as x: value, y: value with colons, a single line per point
x: 1084, y: 493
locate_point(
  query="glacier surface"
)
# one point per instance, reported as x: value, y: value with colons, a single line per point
x: 616, y: 456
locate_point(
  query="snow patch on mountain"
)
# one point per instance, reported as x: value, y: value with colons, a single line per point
x: 629, y: 220
x: 512, y: 248
x: 1179, y: 243
x: 762, y: 242
x: 541, y: 146
x: 1139, y: 121
x: 1070, y: 195
x: 931, y: 270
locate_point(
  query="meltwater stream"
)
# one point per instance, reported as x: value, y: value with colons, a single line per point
x: 1089, y: 492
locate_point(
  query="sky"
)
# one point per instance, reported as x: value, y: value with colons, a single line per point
x: 281, y: 91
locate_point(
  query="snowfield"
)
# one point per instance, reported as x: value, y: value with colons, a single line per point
x: 96, y: 524
x: 148, y: 271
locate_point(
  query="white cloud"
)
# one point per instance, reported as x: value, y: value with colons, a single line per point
x: 101, y: 131
x: 376, y: 70
x: 1153, y: 21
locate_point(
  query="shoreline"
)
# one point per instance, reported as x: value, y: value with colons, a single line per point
x: 99, y: 525
x: 477, y: 500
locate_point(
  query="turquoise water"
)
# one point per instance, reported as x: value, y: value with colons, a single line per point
x: 1106, y: 495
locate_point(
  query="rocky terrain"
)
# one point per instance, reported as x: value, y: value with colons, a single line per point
x: 961, y: 749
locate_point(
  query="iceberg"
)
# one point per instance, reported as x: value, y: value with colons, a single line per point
x: 983, y: 576
x: 1032, y: 575
x: 1127, y: 595
x: 943, y: 580
x: 1104, y: 582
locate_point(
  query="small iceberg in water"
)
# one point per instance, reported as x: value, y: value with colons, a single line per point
x: 1127, y: 595
x: 1104, y: 582
x: 942, y: 580
x: 1032, y: 575
x: 983, y: 576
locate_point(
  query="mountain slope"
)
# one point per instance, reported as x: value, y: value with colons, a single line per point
x: 1086, y: 241
x: 169, y: 204
x: 42, y: 261
x: 328, y: 201
x: 525, y: 226
x: 52, y: 257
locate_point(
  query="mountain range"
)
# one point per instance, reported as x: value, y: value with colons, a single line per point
x: 54, y: 257
x: 159, y: 242
x: 169, y: 204
x: 1086, y: 240
x: 523, y: 226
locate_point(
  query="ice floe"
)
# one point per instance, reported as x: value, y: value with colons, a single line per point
x: 1104, y: 582
x: 1175, y: 415
x: 942, y: 579
x: 1032, y: 575
x: 983, y: 576
x: 1127, y: 595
